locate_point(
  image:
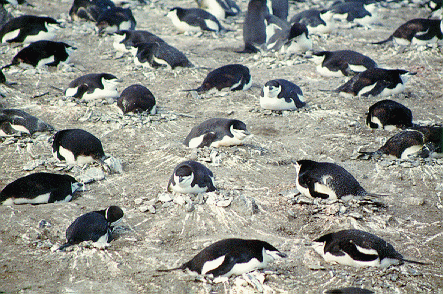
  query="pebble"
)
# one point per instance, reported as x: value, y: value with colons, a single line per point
x: 33, y: 164
x: 114, y: 165
x: 414, y: 200
x: 164, y: 197
x: 91, y: 174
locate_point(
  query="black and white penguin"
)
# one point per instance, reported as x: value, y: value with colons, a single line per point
x: 194, y: 20
x: 191, y: 177
x: 160, y: 54
x: 349, y: 290
x: 229, y: 257
x: 16, y: 121
x: 126, y: 40
x: 281, y: 94
x: 376, y: 82
x: 217, y: 132
x: 389, y: 115
x: 355, y: 12
x: 326, y: 180
x: 137, y: 99
x: 96, y: 226
x: 236, y: 77
x: 115, y: 19
x: 93, y: 86
x: 28, y: 29
x: 41, y: 53
x: 341, y: 63
x: 298, y: 39
x: 357, y: 248
x: 39, y: 188
x: 77, y: 146
x: 317, y: 21
x: 436, y: 6
x: 89, y: 9
x: 277, y: 33
x: 219, y: 8
x: 254, y: 27
x: 418, y: 31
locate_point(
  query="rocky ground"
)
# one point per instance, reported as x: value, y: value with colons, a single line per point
x: 255, y: 182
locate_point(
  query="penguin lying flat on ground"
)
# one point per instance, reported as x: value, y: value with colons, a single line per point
x: 115, y: 19
x: 317, y: 21
x: 136, y: 99
x: 28, y: 29
x: 160, y: 54
x: 126, y: 40
x: 219, y: 8
x: 89, y: 9
x: 93, y: 86
x: 16, y: 121
x: 281, y: 94
x: 194, y: 20
x: 389, y: 115
x: 191, y: 177
x: 342, y: 63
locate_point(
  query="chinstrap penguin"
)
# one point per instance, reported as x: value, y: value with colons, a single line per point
x: 376, y: 82
x: 194, y: 20
x: 126, y: 40
x: 219, y: 8
x: 388, y: 115
x: 77, y: 146
x: 298, y: 39
x: 254, y: 27
x: 137, y: 99
x: 355, y: 12
x: 236, y: 77
x: 281, y: 94
x: 89, y: 9
x: 317, y: 21
x: 28, y: 29
x: 41, y: 53
x: 39, y: 188
x: 326, y: 180
x: 229, y: 257
x: 96, y: 226
x: 191, y: 177
x: 93, y: 86
x: 217, y: 132
x: 115, y: 19
x: 358, y: 248
x: 279, y: 8
x: 342, y: 63
x: 16, y: 121
x: 160, y: 54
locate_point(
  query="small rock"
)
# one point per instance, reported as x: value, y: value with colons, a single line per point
x: 33, y: 164
x: 414, y: 200
x: 355, y: 215
x: 138, y: 201
x: 44, y: 224
x: 114, y: 165
x: 180, y: 200
x: 164, y: 197
x: 91, y: 174
x: 189, y: 207
x: 224, y: 203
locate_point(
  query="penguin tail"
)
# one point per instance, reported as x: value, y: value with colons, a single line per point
x: 384, y: 41
x: 9, y: 65
x: 182, y: 267
x: 414, y: 261
x: 327, y: 90
x: 367, y: 155
x: 198, y: 90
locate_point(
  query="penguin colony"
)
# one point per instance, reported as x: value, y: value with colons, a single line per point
x: 266, y: 28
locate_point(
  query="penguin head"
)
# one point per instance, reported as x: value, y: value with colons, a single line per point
x: 319, y: 57
x: 184, y: 175
x: 109, y: 81
x: 405, y: 75
x: 326, y: 15
x: 113, y: 215
x: 371, y: 7
x: 270, y: 253
x: 238, y: 130
x: 175, y: 13
x: 271, y: 89
x: 69, y: 49
x: 303, y: 164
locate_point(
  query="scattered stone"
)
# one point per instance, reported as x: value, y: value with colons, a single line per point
x: 164, y: 197
x: 91, y: 174
x: 33, y: 164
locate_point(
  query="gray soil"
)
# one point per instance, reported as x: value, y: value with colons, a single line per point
x: 255, y: 181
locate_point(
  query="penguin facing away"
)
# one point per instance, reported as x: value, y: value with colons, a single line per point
x: 418, y: 31
x: 126, y: 40
x: 376, y: 81
x: 77, y: 146
x: 229, y: 257
x: 219, y: 8
x: 94, y: 226
x: 89, y: 9
x: 355, y: 12
x: 342, y: 63
x: 388, y: 115
x: 194, y: 20
x: 281, y: 94
x: 280, y: 8
x: 326, y: 180
x: 15, y: 121
x: 217, y: 132
x: 28, y: 29
x: 254, y: 27
x: 93, y: 86
x: 137, y: 99
x: 191, y: 177
x: 41, y: 53
x: 39, y: 188
x: 233, y: 76
x: 115, y: 19
x: 160, y: 54
x: 358, y: 248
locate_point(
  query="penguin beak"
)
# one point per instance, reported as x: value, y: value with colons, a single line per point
x: 180, y: 179
x: 282, y: 255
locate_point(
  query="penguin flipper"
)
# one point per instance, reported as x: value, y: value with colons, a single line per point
x: 351, y: 249
x: 225, y: 267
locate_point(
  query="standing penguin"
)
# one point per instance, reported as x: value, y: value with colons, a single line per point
x: 137, y: 99
x: 376, y: 81
x: 326, y: 180
x: 160, y: 54
x: 229, y: 257
x: 28, y: 29
x: 194, y: 20
x: 13, y: 121
x: 388, y: 115
x: 254, y: 27
x: 217, y: 132
x: 77, y: 146
x: 43, y: 53
x: 342, y: 63
x: 233, y: 76
x: 219, y: 8
x: 358, y: 248
x: 96, y: 226
x: 191, y: 177
x: 39, y: 188
x: 281, y: 94
x: 93, y: 86
x: 280, y: 8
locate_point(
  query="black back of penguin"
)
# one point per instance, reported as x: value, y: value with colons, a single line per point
x: 38, y: 188
x: 160, y: 54
x: 194, y: 18
x: 280, y: 8
x: 79, y: 143
x: 89, y: 9
x: 136, y: 98
x: 254, y: 27
x: 16, y: 120
x: 233, y: 76
x: 28, y: 26
x: 326, y: 180
x: 347, y: 62
x: 115, y: 19
x: 128, y: 39
x: 88, y: 84
x: 289, y: 92
x: 235, y: 251
x: 202, y: 178
x: 389, y: 114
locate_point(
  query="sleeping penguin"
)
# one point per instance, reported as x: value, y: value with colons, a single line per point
x: 342, y: 63
x: 389, y: 115
x: 191, y: 177
x: 28, y: 29
x: 93, y: 86
x: 194, y: 20
x: 358, y: 248
x: 16, y: 121
x: 96, y: 226
x: 230, y: 257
